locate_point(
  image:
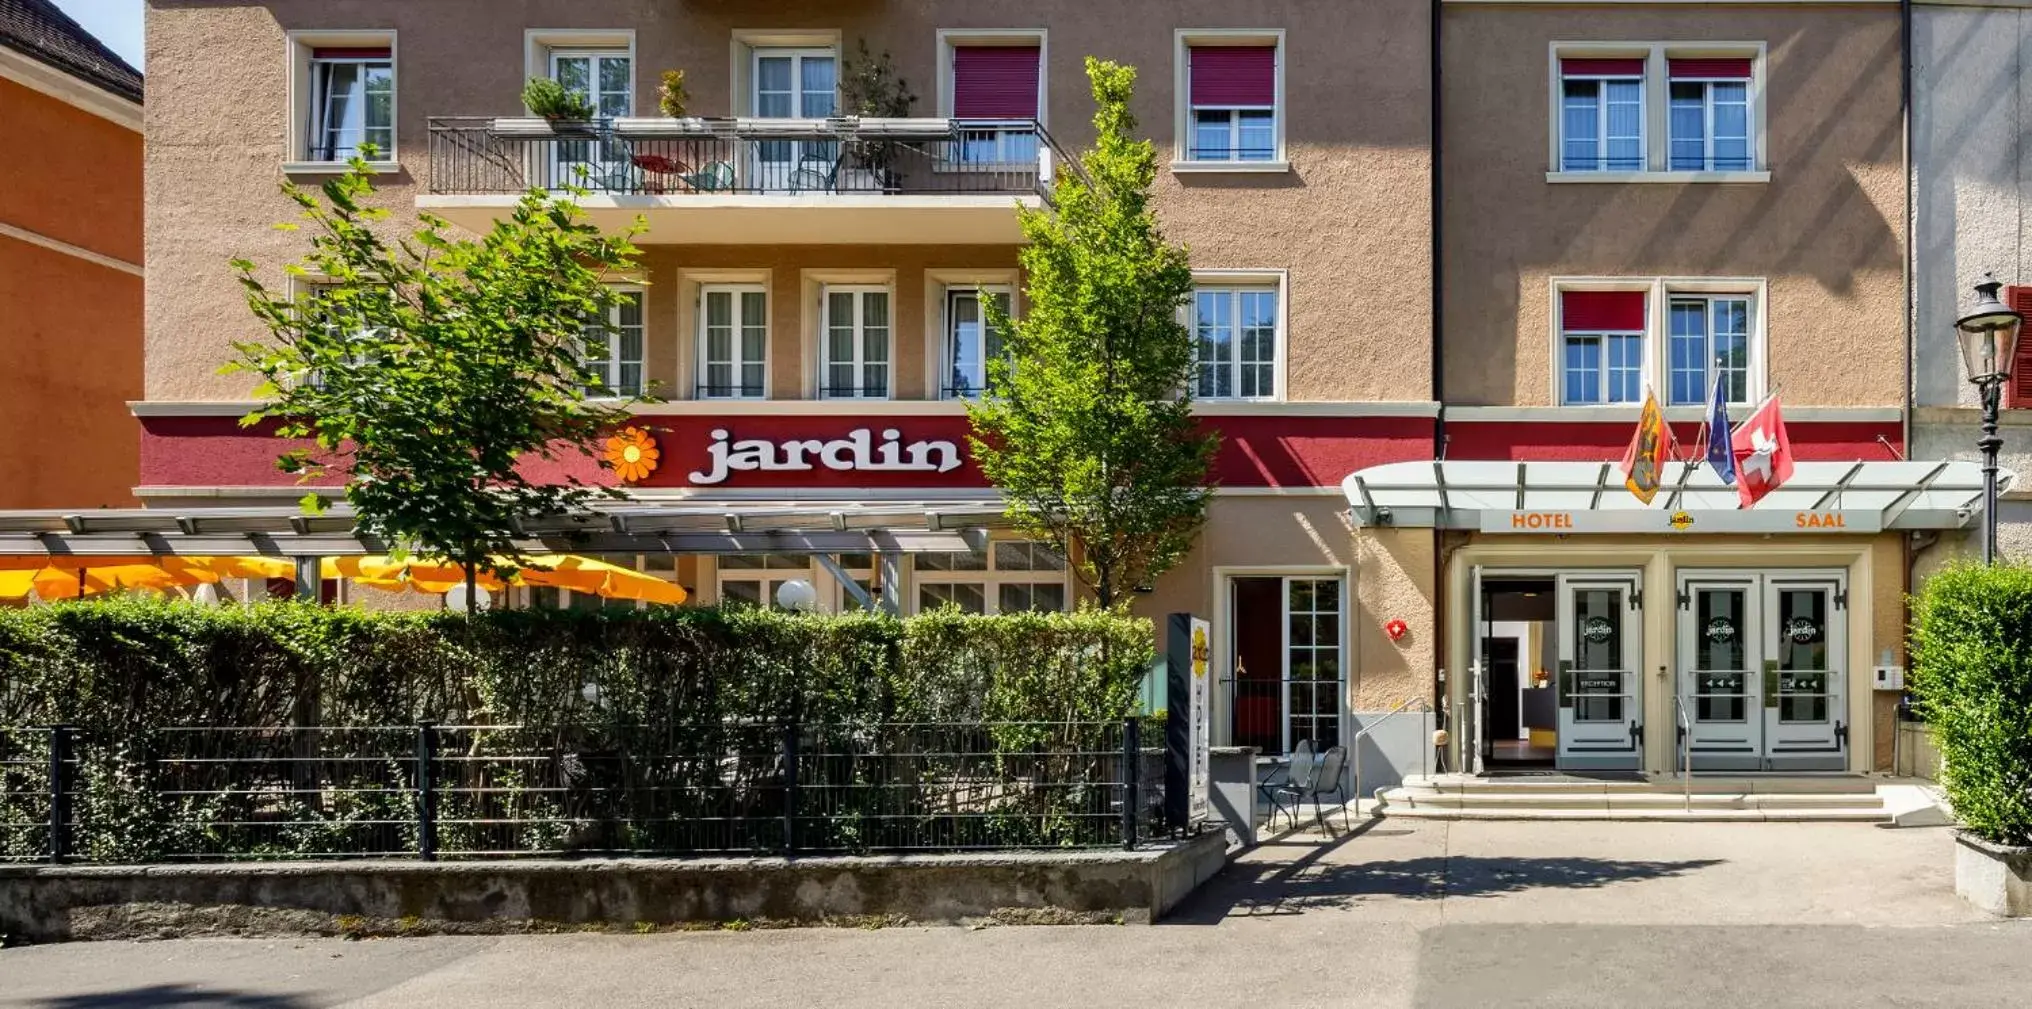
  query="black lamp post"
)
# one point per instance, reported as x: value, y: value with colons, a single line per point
x: 1989, y: 344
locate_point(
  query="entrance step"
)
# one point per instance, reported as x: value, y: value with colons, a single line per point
x: 1461, y: 797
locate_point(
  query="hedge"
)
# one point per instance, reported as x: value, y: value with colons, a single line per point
x: 1972, y: 681
x: 641, y: 731
x: 127, y: 663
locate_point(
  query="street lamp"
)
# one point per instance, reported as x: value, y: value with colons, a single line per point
x: 1989, y: 345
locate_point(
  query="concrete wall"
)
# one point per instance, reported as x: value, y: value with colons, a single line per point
x: 51, y: 903
x: 70, y: 328
x: 1972, y: 171
x: 1825, y: 231
x: 1349, y: 221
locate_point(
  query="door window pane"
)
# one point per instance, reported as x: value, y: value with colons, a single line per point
x: 1598, y: 654
x: 972, y: 597
x: 1802, y: 653
x: 1721, y: 665
x: 1312, y: 659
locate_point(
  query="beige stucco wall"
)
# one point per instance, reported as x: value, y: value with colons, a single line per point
x: 1826, y: 231
x: 1390, y: 572
x: 1349, y: 221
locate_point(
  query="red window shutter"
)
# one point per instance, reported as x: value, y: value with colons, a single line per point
x: 1227, y: 77
x: 1601, y: 68
x: 2018, y: 388
x: 995, y: 82
x: 1722, y: 69
x: 366, y: 53
x: 1601, y: 311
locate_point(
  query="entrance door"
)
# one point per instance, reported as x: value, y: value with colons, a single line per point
x: 1474, y: 711
x: 1289, y: 680
x: 1806, y: 628
x: 795, y: 84
x: 1601, y: 720
x: 1719, y: 648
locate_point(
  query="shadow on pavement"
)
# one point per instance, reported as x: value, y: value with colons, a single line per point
x: 1311, y: 883
x: 173, y: 995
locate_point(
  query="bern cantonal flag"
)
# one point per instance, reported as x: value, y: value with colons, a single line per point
x: 1763, y: 453
x: 1644, y: 462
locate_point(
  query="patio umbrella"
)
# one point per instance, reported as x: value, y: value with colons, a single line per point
x: 566, y: 571
x: 75, y: 577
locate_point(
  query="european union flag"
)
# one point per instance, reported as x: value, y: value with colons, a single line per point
x: 1721, y: 454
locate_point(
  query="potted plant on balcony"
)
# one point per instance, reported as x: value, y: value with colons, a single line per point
x: 671, y: 96
x: 564, y: 109
x: 1972, y: 679
x: 871, y: 88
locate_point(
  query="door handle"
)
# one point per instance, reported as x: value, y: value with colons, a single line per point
x: 1841, y: 734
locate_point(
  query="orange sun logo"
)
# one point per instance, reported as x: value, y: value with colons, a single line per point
x: 632, y: 454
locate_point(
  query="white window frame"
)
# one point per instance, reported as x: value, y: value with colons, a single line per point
x: 302, y: 91
x: 593, y: 55
x: 1274, y: 281
x: 859, y: 361
x: 539, y: 45
x: 1659, y: 293
x: 1708, y: 300
x: 1602, y: 82
x: 947, y: 359
x: 610, y: 372
x: 1657, y: 97
x: 1707, y: 115
x: 991, y: 579
x: 734, y: 292
x: 769, y: 578
x: 1183, y: 41
x: 952, y: 39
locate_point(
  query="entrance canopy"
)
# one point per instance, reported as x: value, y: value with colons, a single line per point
x: 620, y: 528
x: 1581, y: 497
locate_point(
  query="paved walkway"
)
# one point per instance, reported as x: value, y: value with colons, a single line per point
x: 1399, y: 913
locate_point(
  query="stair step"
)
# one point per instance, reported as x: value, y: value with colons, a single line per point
x: 1627, y: 800
x: 1813, y: 815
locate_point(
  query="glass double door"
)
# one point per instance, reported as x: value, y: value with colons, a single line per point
x: 1761, y: 670
x: 1596, y: 638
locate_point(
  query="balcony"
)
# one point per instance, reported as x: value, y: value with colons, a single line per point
x: 754, y: 181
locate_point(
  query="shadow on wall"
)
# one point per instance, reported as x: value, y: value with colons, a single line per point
x: 172, y: 996
x: 1303, y: 885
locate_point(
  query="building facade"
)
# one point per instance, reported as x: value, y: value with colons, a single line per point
x: 1972, y: 182
x: 811, y: 291
x: 70, y: 264
x: 1443, y: 252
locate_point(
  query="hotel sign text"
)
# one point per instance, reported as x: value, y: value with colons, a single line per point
x: 1682, y: 521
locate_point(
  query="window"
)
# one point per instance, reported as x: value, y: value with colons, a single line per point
x: 1601, y: 347
x: 604, y: 76
x: 1232, y: 93
x: 1609, y: 350
x: 2018, y: 388
x: 855, y: 362
x: 861, y: 568
x: 969, y: 342
x: 1011, y: 576
x: 1704, y: 333
x: 1601, y: 115
x: 1237, y: 329
x: 613, y: 352
x: 995, y: 92
x: 796, y: 84
x: 337, y: 306
x: 342, y: 99
x: 1710, y: 115
x: 1656, y: 112
x: 733, y: 342
x: 752, y: 579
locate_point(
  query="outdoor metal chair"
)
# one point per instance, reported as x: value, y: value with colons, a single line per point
x: 1298, y: 766
x: 713, y: 178
x: 1324, y: 780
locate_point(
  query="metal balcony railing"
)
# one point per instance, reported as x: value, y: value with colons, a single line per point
x: 721, y: 157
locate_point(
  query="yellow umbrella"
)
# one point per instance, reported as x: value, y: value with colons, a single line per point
x: 61, y: 577
x: 610, y: 581
x: 390, y: 575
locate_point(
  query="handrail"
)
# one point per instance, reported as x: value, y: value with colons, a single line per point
x: 1685, y: 750
x: 1355, y: 742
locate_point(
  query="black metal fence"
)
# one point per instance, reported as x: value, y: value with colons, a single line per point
x: 476, y: 156
x: 488, y: 791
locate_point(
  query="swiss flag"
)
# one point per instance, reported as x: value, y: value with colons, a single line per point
x: 1763, y: 453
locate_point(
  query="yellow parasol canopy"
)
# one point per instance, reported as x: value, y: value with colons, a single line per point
x: 75, y: 577
x: 567, y: 571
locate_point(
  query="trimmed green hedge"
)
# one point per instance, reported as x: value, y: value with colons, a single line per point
x: 129, y: 663
x: 1972, y: 678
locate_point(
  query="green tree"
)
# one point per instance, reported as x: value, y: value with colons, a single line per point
x: 429, y: 369
x: 1087, y: 427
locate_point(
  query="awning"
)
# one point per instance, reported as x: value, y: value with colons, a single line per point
x: 1582, y: 497
x: 931, y: 526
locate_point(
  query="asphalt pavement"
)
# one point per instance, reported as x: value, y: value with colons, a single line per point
x: 1398, y: 913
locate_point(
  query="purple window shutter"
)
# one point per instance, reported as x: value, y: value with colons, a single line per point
x: 1234, y: 76
x: 995, y: 82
